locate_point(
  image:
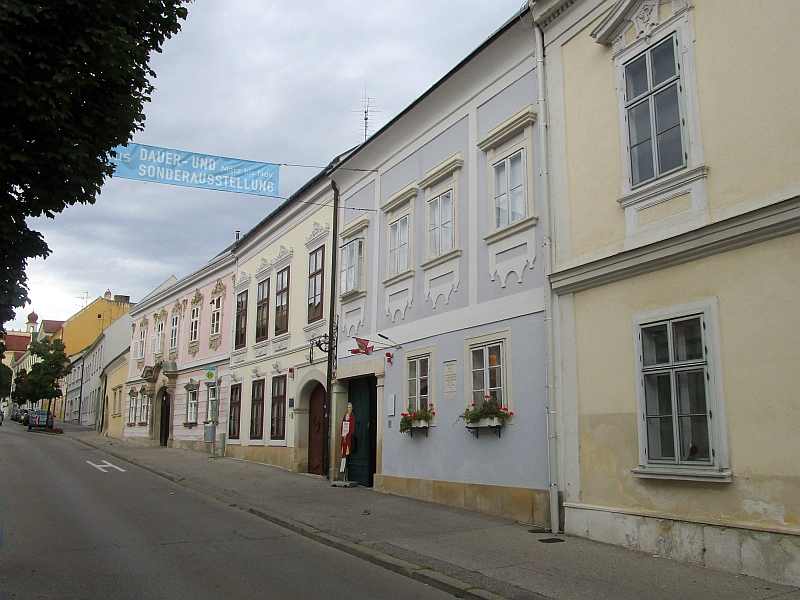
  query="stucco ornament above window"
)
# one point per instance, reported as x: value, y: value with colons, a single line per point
x: 284, y: 258
x: 242, y: 281
x: 264, y: 269
x: 643, y: 15
x: 197, y: 299
x: 318, y: 235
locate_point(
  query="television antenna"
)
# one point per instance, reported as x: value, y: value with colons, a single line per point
x: 367, y: 110
x: 84, y: 299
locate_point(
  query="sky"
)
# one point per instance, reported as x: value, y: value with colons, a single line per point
x: 281, y: 81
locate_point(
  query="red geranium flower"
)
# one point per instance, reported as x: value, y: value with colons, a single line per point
x: 414, y: 416
x: 473, y: 404
x: 511, y: 413
x: 431, y: 405
x: 434, y: 413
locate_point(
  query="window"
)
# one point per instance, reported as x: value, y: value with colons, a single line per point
x: 316, y: 265
x: 510, y: 204
x: 157, y: 345
x: 216, y: 315
x: 652, y: 106
x: 144, y: 409
x: 278, y: 421
x: 440, y: 224
x: 194, y: 324
x: 487, y: 364
x: 398, y: 246
x: 142, y: 341
x: 282, y: 301
x: 351, y: 270
x: 173, y: 333
x: 262, y: 311
x: 418, y: 376
x: 191, y: 406
x: 674, y: 373
x: 235, y: 415
x: 681, y: 415
x: 240, y: 334
x: 257, y: 411
x: 211, y: 402
x: 132, y: 408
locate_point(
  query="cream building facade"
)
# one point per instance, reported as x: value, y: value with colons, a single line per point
x: 280, y: 308
x: 675, y: 191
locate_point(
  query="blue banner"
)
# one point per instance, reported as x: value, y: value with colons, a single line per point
x: 162, y: 165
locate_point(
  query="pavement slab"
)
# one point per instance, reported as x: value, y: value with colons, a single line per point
x: 464, y: 553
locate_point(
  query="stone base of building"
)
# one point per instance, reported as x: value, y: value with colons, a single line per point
x: 196, y: 445
x: 521, y: 504
x: 277, y: 456
x: 770, y: 555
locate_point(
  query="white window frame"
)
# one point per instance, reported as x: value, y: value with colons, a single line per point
x: 157, y: 346
x: 435, y: 223
x: 351, y: 270
x: 502, y: 338
x: 194, y: 324
x: 144, y: 408
x: 216, y: 315
x: 141, y: 343
x: 395, y: 264
x: 631, y: 37
x: 502, y: 142
x: 191, y: 406
x: 211, y: 394
x: 416, y: 355
x: 718, y: 468
x: 173, y: 332
x: 505, y: 160
x: 132, y: 408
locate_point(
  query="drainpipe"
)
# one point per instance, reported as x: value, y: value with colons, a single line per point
x: 80, y: 393
x: 549, y: 298
x: 331, y: 332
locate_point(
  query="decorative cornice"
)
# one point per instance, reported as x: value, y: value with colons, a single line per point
x: 642, y: 14
x: 356, y: 226
x: 242, y: 281
x: 192, y: 385
x: 318, y: 235
x: 442, y: 170
x: 197, y: 299
x: 219, y: 289
x: 761, y: 225
x: 264, y: 269
x: 144, y: 323
x: 402, y: 196
x: 508, y: 129
x: 160, y: 315
x: 283, y: 259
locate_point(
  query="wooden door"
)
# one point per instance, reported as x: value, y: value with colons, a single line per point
x: 363, y: 394
x: 165, y: 414
x: 316, y: 430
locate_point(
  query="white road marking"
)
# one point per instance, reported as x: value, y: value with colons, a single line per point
x: 105, y: 465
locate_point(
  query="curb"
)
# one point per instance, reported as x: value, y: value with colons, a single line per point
x: 425, y: 575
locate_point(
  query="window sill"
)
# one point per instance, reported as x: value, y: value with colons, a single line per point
x: 684, y: 474
x: 441, y: 259
x: 142, y: 423
x: 401, y: 276
x: 353, y: 295
x: 277, y: 443
x: 261, y: 343
x: 190, y: 424
x: 663, y: 185
x: 510, y: 230
x: 130, y: 424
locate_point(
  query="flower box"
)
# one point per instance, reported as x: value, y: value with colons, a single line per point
x: 493, y: 424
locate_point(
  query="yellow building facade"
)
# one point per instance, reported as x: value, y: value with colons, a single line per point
x: 675, y: 193
x: 114, y: 377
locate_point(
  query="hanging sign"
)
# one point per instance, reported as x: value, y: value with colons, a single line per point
x: 211, y: 374
x: 175, y: 167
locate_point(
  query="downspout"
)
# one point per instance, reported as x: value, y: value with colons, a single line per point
x: 80, y: 393
x: 550, y: 302
x: 331, y: 332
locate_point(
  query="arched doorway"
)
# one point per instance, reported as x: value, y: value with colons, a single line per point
x: 316, y: 430
x: 164, y: 423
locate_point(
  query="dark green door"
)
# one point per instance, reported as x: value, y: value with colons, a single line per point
x: 363, y: 394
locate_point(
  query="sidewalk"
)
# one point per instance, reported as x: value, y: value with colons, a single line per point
x: 464, y: 553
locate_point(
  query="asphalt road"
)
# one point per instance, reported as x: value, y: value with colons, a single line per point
x: 72, y: 530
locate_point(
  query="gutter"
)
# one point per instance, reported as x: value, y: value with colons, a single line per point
x: 549, y: 295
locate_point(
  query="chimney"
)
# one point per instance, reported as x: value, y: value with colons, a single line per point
x: 107, y: 295
x: 125, y: 299
x: 237, y: 235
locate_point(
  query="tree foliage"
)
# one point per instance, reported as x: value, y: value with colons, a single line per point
x: 75, y: 79
x: 19, y: 393
x: 5, y: 380
x: 42, y: 380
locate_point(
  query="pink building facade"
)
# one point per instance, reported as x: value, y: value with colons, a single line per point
x: 178, y: 379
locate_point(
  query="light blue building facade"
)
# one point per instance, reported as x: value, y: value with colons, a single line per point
x: 442, y: 270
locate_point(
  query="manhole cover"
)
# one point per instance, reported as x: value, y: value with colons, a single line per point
x: 551, y: 540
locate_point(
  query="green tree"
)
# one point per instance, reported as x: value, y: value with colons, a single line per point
x: 75, y: 79
x: 19, y: 393
x: 42, y: 381
x: 5, y: 380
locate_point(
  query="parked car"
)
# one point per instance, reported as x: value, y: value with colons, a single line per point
x: 40, y: 418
